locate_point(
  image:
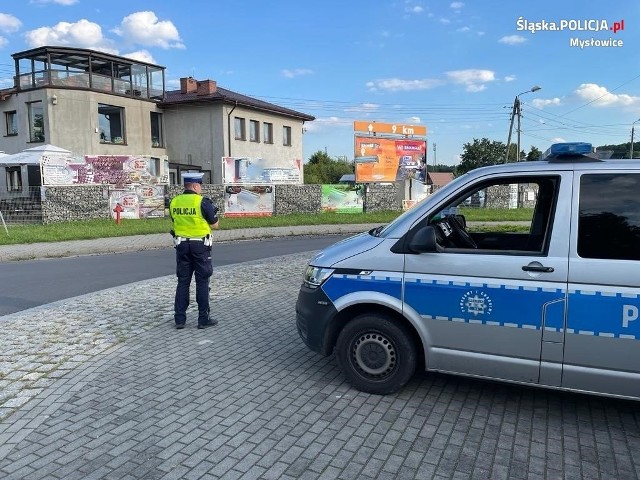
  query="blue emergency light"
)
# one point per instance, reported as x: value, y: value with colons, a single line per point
x: 568, y: 150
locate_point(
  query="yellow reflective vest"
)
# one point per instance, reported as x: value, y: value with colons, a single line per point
x: 187, y: 216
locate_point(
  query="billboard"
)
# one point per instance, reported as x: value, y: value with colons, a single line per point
x: 142, y: 201
x: 101, y: 170
x: 245, y: 170
x: 388, y: 160
x: 342, y: 198
x: 248, y: 200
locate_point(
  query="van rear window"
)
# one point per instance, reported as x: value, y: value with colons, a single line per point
x: 609, y: 222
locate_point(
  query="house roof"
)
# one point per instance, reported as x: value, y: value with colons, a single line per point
x: 440, y: 178
x: 223, y: 95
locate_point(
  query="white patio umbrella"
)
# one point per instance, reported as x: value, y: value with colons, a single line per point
x: 32, y: 156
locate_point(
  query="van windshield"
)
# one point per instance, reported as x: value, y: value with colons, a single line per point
x: 400, y: 225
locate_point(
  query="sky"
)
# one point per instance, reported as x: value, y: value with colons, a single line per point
x: 455, y: 67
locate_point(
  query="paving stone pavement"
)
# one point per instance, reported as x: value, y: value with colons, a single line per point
x: 103, y: 387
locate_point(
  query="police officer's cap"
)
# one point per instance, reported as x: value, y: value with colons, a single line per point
x: 192, y: 177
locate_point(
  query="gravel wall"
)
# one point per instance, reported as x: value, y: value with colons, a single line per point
x: 85, y: 202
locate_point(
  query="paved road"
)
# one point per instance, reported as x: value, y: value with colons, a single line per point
x: 37, y: 282
x: 103, y: 386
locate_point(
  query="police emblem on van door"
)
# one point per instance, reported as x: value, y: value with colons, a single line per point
x: 476, y: 303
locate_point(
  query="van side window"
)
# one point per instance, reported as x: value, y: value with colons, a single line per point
x: 524, y: 205
x: 609, y: 216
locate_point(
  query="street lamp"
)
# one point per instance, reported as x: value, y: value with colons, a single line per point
x: 517, y: 112
x: 631, y: 147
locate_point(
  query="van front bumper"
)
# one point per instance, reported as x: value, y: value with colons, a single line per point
x: 314, y: 312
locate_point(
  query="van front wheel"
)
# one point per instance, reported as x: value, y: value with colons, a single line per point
x: 376, y: 354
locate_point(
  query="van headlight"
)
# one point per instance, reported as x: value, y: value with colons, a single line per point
x: 315, y: 276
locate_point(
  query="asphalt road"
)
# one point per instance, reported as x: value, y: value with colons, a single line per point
x: 30, y: 283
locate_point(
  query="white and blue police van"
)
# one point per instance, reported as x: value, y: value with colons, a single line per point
x: 552, y: 300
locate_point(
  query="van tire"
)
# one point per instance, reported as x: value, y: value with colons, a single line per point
x: 376, y: 354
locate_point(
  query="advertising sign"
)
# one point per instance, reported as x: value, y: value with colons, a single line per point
x: 100, y: 170
x: 129, y: 202
x: 248, y: 200
x: 143, y: 201
x: 244, y: 170
x: 391, y: 128
x: 342, y: 198
x: 387, y: 160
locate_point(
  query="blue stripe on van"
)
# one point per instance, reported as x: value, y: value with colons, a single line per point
x: 605, y: 314
x: 482, y: 303
x: 340, y: 285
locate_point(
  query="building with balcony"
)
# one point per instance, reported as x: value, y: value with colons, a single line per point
x: 94, y: 103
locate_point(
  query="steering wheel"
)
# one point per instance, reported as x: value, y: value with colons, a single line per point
x: 460, y: 232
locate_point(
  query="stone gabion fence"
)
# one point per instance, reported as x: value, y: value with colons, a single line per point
x: 87, y: 202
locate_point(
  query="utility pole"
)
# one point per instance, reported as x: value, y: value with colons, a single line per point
x: 631, y: 146
x: 434, y: 156
x: 517, y: 111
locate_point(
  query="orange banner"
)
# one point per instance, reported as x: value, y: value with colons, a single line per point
x: 391, y: 128
x: 387, y: 160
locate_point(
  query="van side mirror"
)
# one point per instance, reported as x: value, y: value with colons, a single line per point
x: 424, y: 240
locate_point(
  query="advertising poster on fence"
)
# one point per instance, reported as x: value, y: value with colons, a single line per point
x: 143, y: 201
x: 342, y: 198
x: 387, y: 160
x: 244, y: 170
x: 128, y: 200
x: 248, y: 200
x: 101, y: 170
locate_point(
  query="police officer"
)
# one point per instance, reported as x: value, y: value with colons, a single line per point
x: 193, y: 218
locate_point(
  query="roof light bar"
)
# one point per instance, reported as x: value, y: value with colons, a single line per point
x: 568, y: 149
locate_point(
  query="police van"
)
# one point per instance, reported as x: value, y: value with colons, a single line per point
x: 551, y: 299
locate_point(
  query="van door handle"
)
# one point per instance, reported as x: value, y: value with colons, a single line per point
x: 537, y: 268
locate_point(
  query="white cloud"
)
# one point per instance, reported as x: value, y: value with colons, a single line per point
x: 476, y: 88
x: 397, y: 84
x: 363, y: 108
x: 325, y: 123
x: 141, y: 56
x: 457, y: 5
x: 415, y: 120
x: 9, y: 23
x: 541, y: 102
x: 558, y: 140
x: 445, y: 21
x: 83, y: 34
x: 414, y: 8
x: 601, y: 97
x: 144, y: 28
x: 512, y: 40
x: 296, y: 72
x: 3, y: 42
x: 509, y: 78
x: 473, y: 79
x: 463, y: 29
x: 59, y: 2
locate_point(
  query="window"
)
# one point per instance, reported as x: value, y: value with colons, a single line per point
x: 11, y: 119
x: 14, y: 178
x: 609, y: 219
x: 286, y: 136
x: 530, y: 200
x: 156, y: 130
x: 241, y: 132
x: 111, y: 124
x: 36, y: 121
x: 268, y: 133
x: 254, y: 131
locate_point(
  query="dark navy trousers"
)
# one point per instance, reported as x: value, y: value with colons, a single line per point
x: 192, y: 257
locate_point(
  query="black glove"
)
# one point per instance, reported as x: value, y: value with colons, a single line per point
x: 173, y: 233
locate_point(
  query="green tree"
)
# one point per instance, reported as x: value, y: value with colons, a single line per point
x: 533, y: 155
x: 322, y: 169
x: 480, y: 153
